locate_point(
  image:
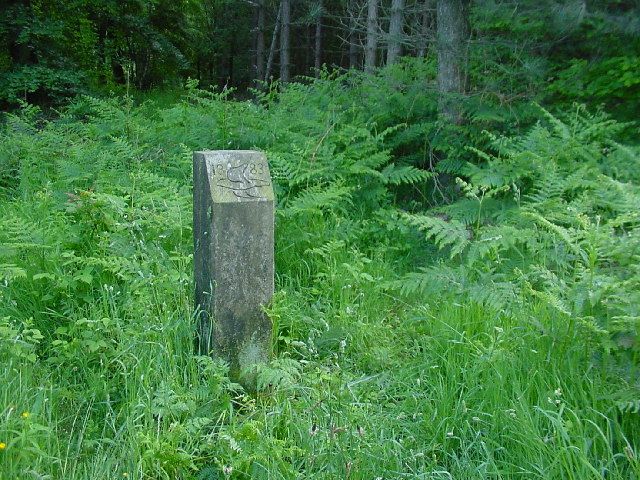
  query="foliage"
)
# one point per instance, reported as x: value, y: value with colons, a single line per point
x: 489, y: 363
x: 613, y: 81
x: 55, y: 49
x: 550, y: 216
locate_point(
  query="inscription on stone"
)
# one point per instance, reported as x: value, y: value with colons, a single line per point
x: 233, y: 216
x: 244, y: 180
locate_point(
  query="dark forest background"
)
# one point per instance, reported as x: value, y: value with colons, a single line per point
x: 543, y: 50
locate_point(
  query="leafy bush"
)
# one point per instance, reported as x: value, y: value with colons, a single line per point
x: 612, y: 81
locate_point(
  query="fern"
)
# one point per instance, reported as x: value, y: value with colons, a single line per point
x: 431, y: 281
x: 319, y: 198
x: 404, y: 175
x: 543, y: 218
x: 561, y: 232
x: 494, y: 240
x: 209, y: 473
x: 629, y: 406
x: 452, y: 233
x: 9, y: 272
x: 497, y: 295
x: 279, y: 373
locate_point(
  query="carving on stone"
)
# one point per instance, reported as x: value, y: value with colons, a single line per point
x: 243, y: 180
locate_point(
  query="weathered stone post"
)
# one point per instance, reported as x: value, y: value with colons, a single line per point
x: 233, y: 221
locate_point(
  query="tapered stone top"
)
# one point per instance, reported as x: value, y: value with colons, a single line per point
x: 233, y: 259
x: 238, y: 175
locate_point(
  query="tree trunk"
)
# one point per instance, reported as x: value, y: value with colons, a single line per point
x: 309, y: 40
x: 284, y: 41
x: 231, y: 60
x: 371, y: 48
x: 318, y: 38
x: 260, y: 21
x: 395, y: 31
x: 424, y: 28
x: 453, y: 43
x: 353, y: 35
x: 272, y: 49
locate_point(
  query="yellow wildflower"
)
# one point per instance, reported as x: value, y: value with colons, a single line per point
x: 25, y: 414
x: 3, y: 445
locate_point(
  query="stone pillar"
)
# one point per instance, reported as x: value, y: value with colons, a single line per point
x: 233, y: 221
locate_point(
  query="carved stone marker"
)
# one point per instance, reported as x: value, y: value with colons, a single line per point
x: 233, y: 217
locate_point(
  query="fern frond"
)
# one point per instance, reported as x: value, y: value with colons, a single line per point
x: 432, y: 280
x: 452, y: 233
x: 320, y: 198
x: 559, y: 127
x: 553, y: 300
x: 501, y: 238
x: 9, y: 272
x: 280, y: 373
x: 561, y: 232
x: 497, y: 295
x: 327, y: 249
x: 629, y: 406
x: 404, y: 175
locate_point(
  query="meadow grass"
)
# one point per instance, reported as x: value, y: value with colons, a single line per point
x: 384, y: 390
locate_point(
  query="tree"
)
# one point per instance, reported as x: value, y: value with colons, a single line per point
x: 394, y: 49
x: 284, y: 40
x: 452, y: 45
x: 371, y: 49
x: 352, y: 12
x: 260, y: 46
x: 424, y: 28
x: 272, y: 48
x: 318, y: 38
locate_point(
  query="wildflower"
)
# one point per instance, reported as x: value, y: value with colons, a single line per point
x: 558, y: 392
x: 25, y: 414
x: 227, y: 469
x: 3, y: 445
x: 125, y: 475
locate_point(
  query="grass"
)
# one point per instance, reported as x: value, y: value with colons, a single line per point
x: 427, y: 391
x: 98, y: 374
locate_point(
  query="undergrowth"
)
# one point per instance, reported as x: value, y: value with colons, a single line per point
x: 491, y: 337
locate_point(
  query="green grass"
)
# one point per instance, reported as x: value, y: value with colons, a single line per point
x: 98, y: 374
x: 383, y: 390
